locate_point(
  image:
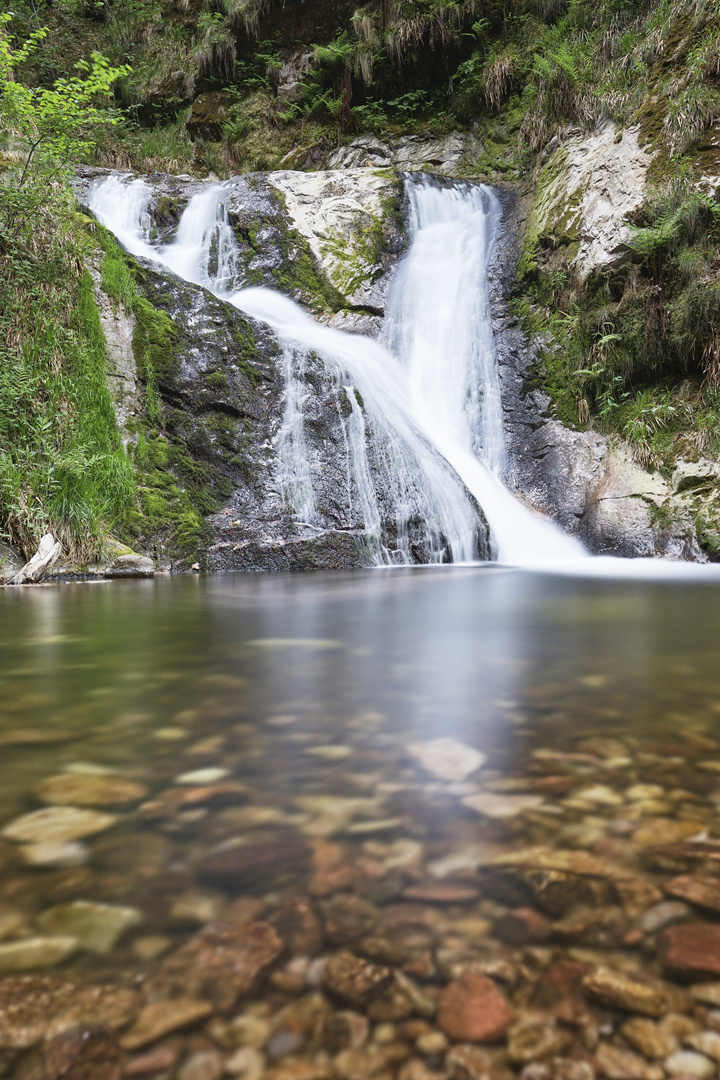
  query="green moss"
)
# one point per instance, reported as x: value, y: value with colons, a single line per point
x: 153, y: 340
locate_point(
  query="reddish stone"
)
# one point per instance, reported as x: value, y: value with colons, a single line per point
x: 472, y: 1009
x: 298, y: 924
x: 441, y: 894
x: 155, y: 1061
x: 554, y: 785
x: 242, y: 865
x: 328, y: 881
x: 77, y: 1055
x: 523, y: 926
x: 223, y: 961
x: 693, y: 947
x: 702, y: 891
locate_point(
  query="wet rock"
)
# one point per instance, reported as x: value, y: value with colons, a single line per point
x: 162, y: 1017
x: 356, y: 981
x: 705, y: 1042
x: 338, y: 1031
x: 283, y: 1043
x: 637, y: 896
x: 348, y: 918
x: 36, y: 1008
x: 501, y: 807
x: 83, y: 1054
x: 524, y: 926
x: 618, y: 1064
x: 239, y: 865
x: 247, y: 1062
x: 249, y: 1030
x: 298, y: 924
x: 97, y: 927
x: 693, y: 947
x: 468, y: 1062
x: 211, y: 775
x: 689, y: 1063
x: 649, y: 1038
x: 661, y: 915
x: 214, y: 795
x: 532, y: 1040
x: 555, y: 892
x: 437, y: 893
x: 676, y: 858
x: 432, y: 1043
x: 150, y: 946
x: 36, y: 952
x: 558, y: 1069
x: 472, y: 1009
x: 601, y: 928
x: 154, y: 1061
x: 55, y: 855
x: 223, y: 961
x: 664, y: 831
x: 701, y: 891
x: 448, y: 759
x: 205, y: 1065
x: 71, y: 789
x: 619, y: 991
x: 57, y: 824
x: 707, y: 993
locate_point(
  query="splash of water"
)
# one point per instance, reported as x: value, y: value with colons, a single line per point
x: 429, y: 429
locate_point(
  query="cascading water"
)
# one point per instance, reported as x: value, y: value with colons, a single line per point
x: 423, y: 423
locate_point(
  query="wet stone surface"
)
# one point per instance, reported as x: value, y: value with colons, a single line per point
x: 237, y: 847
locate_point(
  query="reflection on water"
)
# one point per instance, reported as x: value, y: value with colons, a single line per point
x: 270, y: 735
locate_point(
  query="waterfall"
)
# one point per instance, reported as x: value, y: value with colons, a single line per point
x: 424, y: 431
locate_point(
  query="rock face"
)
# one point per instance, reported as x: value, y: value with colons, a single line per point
x: 586, y: 190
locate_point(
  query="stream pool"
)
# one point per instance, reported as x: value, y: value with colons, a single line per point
x: 258, y: 857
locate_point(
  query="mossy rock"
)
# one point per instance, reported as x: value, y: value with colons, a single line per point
x: 208, y: 113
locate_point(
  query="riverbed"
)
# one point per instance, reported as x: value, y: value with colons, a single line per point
x: 270, y: 825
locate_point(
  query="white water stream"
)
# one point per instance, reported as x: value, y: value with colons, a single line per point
x: 424, y: 426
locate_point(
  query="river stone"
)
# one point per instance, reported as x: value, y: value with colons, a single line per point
x: 649, y: 1039
x: 617, y: 1064
x: 523, y: 926
x: 619, y: 991
x: 689, y: 1063
x: 201, y: 777
x: 162, y: 1017
x: 36, y: 952
x: 705, y: 1042
x: 204, y: 1065
x: 153, y: 1061
x: 448, y: 759
x: 707, y: 993
x: 82, y: 1054
x: 656, y: 831
x: 472, y: 1009
x: 500, y: 807
x: 69, y: 789
x: 223, y: 961
x: 57, y: 824
x: 701, y: 891
x: 97, y: 927
x: 533, y: 1040
x: 60, y: 856
x: 246, y: 1062
x: 239, y: 865
x: 37, y: 1008
x: 692, y: 947
x: 661, y: 915
x: 355, y: 981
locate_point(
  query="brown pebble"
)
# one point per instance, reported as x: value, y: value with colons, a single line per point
x: 162, y: 1057
x: 472, y: 1009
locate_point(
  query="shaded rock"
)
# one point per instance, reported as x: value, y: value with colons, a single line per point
x: 57, y: 824
x: 83, y: 1054
x: 36, y: 1008
x: 97, y: 927
x: 693, y: 947
x: 523, y: 926
x: 162, y: 1017
x: 223, y: 961
x: 533, y: 1040
x: 208, y: 113
x: 338, y: 1031
x: 71, y: 789
x: 681, y: 857
x: 240, y: 865
x: 702, y: 891
x: 448, y: 759
x: 598, y: 927
x: 555, y: 892
x: 298, y: 924
x: 348, y: 918
x: 356, y: 981
x: 472, y: 1009
x: 619, y: 991
x: 11, y: 562
x: 36, y: 952
x: 649, y: 1039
